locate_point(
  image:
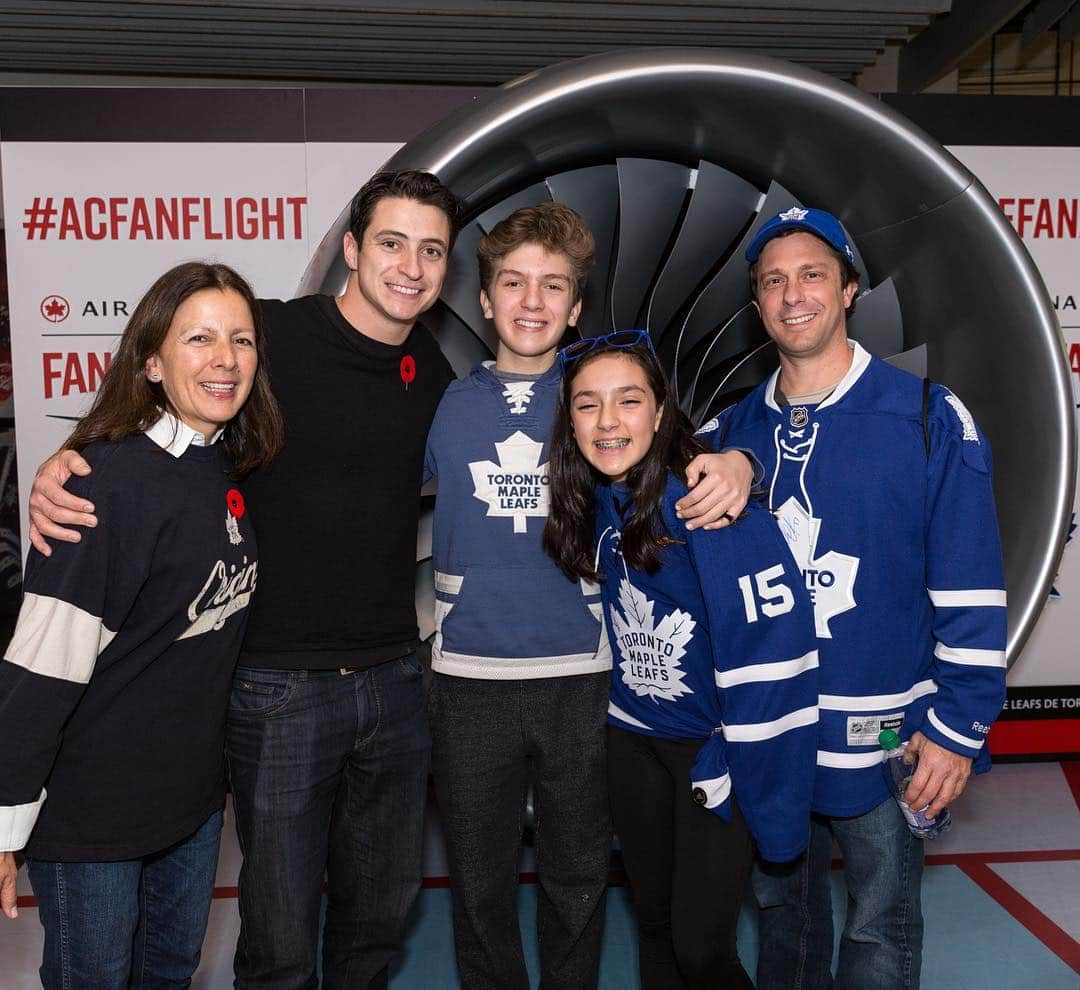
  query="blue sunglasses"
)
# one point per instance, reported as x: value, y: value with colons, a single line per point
x: 620, y: 338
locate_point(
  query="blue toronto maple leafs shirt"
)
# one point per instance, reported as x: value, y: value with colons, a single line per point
x: 503, y: 609
x: 895, y: 532
x: 718, y: 645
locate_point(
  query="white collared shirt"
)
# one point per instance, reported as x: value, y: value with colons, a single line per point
x: 175, y: 436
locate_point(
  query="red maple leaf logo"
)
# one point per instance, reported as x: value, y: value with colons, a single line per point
x: 55, y: 308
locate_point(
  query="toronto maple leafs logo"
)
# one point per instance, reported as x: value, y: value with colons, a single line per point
x: 830, y: 578
x: 651, y: 650
x: 966, y: 419
x: 517, y: 486
x: 794, y: 214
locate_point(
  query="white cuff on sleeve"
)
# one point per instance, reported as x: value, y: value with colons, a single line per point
x: 17, y: 822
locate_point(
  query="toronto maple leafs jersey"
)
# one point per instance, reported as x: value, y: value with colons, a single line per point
x: 718, y: 645
x: 114, y: 689
x: 503, y: 609
x: 891, y: 518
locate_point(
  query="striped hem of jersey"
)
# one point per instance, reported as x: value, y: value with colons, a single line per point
x: 968, y: 598
x: 17, y: 822
x: 875, y: 702
x: 716, y: 790
x: 448, y: 584
x: 518, y: 668
x: 616, y: 712
x: 969, y: 657
x: 952, y: 734
x: 758, y: 731
x: 849, y: 761
x: 780, y: 670
x: 57, y: 639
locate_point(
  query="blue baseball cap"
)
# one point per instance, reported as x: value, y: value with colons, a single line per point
x: 825, y: 225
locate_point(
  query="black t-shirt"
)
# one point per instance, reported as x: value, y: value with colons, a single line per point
x: 337, y: 511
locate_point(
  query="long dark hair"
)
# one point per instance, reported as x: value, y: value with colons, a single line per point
x: 127, y: 403
x: 570, y: 532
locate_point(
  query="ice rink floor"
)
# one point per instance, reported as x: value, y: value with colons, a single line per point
x: 1001, y: 899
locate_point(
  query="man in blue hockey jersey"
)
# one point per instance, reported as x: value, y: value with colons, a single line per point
x: 882, y: 486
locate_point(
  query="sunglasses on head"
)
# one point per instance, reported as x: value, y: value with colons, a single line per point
x: 620, y: 338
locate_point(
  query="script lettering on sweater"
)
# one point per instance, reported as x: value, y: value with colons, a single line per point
x: 227, y: 590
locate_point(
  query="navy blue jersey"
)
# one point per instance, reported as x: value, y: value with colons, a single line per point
x: 718, y: 645
x: 891, y: 519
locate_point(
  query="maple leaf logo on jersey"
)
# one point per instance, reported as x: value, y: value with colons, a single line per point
x: 830, y: 578
x: 651, y: 651
x: 518, y: 485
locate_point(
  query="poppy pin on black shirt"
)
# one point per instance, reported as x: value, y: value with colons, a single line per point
x: 234, y: 500
x: 407, y: 370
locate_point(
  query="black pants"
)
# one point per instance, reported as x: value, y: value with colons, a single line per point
x: 491, y: 740
x: 688, y: 869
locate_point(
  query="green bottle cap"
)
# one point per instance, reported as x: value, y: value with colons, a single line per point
x: 888, y: 739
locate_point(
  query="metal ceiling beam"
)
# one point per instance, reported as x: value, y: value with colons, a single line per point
x: 1069, y: 26
x: 864, y: 33
x: 938, y: 50
x: 474, y: 14
x: 1043, y: 16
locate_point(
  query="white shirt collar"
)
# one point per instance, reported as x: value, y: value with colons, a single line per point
x: 859, y: 360
x: 175, y: 436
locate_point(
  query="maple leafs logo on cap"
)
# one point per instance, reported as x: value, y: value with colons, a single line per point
x: 794, y: 214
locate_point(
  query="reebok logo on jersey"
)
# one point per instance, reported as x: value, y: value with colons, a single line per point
x: 651, y: 650
x: 516, y: 486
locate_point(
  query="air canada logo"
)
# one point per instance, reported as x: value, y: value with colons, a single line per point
x: 651, y: 650
x: 516, y: 486
x: 55, y: 309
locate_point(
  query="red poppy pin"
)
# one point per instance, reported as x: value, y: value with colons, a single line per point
x: 407, y: 370
x: 235, y: 501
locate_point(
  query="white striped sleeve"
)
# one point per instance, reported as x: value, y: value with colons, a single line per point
x: 54, y: 638
x: 17, y: 822
x: 758, y: 731
x: 968, y: 598
x: 780, y: 670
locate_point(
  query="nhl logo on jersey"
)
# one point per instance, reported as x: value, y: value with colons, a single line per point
x: 799, y: 417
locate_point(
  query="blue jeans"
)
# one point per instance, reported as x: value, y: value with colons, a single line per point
x: 329, y: 778
x: 881, y: 944
x: 134, y: 923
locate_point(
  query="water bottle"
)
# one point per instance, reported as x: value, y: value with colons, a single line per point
x: 898, y: 774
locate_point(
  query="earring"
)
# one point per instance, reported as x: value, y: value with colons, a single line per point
x: 155, y: 377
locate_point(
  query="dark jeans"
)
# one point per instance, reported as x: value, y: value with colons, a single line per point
x: 136, y: 923
x: 688, y: 869
x: 329, y: 778
x: 881, y: 945
x: 492, y: 739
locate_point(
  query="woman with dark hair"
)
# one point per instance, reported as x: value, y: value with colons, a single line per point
x: 115, y: 685
x: 712, y: 718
